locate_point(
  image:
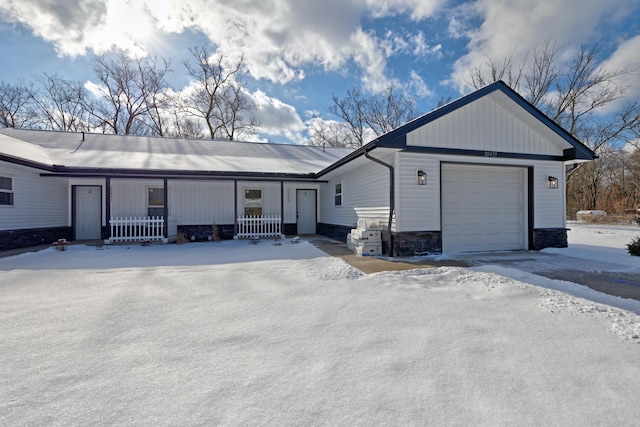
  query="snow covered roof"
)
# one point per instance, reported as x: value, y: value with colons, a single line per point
x: 69, y: 151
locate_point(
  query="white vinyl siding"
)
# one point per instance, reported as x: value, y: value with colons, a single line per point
x: 201, y: 202
x: 549, y: 204
x: 270, y: 196
x: 38, y: 202
x: 365, y: 194
x: 417, y: 206
x: 129, y: 197
x: 487, y: 125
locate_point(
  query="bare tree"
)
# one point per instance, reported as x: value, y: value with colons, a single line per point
x: 16, y: 106
x: 575, y: 94
x: 388, y: 110
x: 61, y: 103
x: 131, y: 94
x: 332, y: 133
x: 362, y: 116
x: 217, y: 97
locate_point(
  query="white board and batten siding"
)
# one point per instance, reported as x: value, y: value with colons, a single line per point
x: 201, y: 202
x: 38, y: 202
x: 417, y: 206
x: 488, y: 125
x: 290, y: 194
x: 129, y: 197
x: 365, y: 194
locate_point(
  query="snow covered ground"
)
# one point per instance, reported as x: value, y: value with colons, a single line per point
x: 239, y: 334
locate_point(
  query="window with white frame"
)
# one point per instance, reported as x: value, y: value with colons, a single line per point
x: 6, y: 191
x: 253, y: 202
x: 338, y: 194
x: 155, y: 201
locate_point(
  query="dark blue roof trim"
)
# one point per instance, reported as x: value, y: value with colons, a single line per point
x: 480, y: 153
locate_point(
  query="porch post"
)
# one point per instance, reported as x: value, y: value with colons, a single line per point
x: 235, y: 207
x: 166, y: 208
x: 282, y: 207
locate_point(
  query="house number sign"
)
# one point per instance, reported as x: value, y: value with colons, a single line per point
x: 491, y: 154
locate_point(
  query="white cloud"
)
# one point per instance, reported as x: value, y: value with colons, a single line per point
x: 418, y: 87
x: 280, y: 38
x: 519, y: 26
x: 277, y: 118
x: 626, y: 57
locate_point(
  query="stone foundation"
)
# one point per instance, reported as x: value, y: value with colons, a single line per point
x: 417, y: 243
x: 204, y: 232
x: 337, y: 232
x: 549, y: 238
x: 16, y: 239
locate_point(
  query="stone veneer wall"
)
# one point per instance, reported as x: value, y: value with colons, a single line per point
x: 549, y: 238
x: 16, y: 239
x: 225, y: 231
x: 417, y: 242
x: 338, y: 232
x: 203, y: 232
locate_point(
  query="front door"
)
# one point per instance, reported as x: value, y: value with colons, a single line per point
x: 306, y: 211
x: 88, y: 212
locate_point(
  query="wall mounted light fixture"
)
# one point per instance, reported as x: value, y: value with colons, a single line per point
x: 422, y: 177
x: 552, y: 181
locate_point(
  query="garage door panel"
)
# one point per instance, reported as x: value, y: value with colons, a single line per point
x: 483, y: 208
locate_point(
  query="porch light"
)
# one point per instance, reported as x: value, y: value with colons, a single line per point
x: 422, y: 178
x: 552, y: 181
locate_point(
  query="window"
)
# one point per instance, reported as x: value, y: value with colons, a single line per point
x: 6, y: 191
x: 338, y: 199
x: 253, y: 202
x: 155, y: 202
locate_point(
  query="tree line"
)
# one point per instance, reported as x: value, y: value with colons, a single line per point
x: 133, y: 96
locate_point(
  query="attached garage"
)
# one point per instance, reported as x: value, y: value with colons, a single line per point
x: 484, y: 208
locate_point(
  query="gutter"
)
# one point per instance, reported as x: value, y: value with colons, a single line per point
x: 392, y: 197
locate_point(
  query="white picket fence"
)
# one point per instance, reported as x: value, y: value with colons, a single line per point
x: 250, y: 227
x: 136, y: 229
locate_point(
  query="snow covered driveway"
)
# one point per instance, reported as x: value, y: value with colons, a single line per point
x: 236, y: 334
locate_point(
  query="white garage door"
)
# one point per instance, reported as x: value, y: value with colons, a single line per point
x: 483, y: 208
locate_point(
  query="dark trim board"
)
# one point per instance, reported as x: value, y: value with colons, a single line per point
x: 481, y: 153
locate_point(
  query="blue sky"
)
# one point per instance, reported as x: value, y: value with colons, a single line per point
x: 300, y: 53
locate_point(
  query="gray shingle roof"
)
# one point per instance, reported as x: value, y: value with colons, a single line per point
x: 100, y: 151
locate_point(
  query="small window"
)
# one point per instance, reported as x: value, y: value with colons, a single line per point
x: 338, y: 199
x: 155, y: 202
x: 6, y: 191
x: 253, y: 202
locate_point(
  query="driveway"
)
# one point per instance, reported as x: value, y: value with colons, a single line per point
x: 601, y: 276
x: 604, y: 277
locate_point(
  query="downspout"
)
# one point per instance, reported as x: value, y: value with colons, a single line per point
x: 392, y: 196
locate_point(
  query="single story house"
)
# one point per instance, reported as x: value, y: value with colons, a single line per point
x: 483, y: 173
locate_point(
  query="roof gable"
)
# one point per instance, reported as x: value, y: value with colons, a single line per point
x: 493, y: 118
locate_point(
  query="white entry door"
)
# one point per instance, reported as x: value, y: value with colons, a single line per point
x: 88, y: 214
x: 483, y: 208
x: 306, y: 211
